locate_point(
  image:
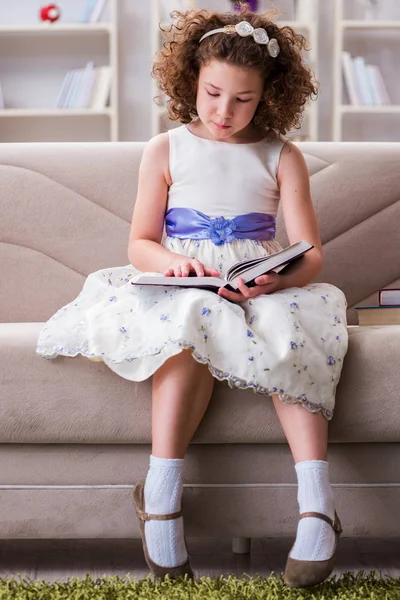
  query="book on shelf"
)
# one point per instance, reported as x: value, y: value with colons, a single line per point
x: 364, y: 83
x: 370, y: 75
x: 93, y: 10
x: 248, y: 270
x: 380, y: 85
x: 389, y: 296
x: 86, y: 88
x: 101, y: 88
x: 349, y: 78
x: 1, y: 98
x: 378, y: 315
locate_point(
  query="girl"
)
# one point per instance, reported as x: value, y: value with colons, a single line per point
x: 208, y: 196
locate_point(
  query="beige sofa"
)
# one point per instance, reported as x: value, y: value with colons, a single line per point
x: 74, y: 437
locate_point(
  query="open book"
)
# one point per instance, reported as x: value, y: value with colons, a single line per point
x: 248, y: 270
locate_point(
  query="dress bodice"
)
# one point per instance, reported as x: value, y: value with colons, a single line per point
x: 223, y: 179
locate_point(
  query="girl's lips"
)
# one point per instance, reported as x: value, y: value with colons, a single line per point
x: 221, y: 126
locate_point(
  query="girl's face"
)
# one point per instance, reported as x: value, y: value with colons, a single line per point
x: 227, y: 98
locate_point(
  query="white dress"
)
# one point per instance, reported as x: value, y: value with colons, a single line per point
x: 291, y: 342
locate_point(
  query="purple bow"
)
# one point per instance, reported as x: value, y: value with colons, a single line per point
x: 187, y: 223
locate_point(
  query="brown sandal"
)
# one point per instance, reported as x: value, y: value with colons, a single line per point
x: 157, y: 570
x: 304, y: 573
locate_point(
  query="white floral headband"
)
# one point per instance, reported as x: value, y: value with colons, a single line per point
x: 245, y: 29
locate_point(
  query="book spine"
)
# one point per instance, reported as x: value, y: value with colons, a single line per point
x: 90, y: 76
x: 349, y: 78
x: 380, y: 84
x: 101, y: 88
x: 74, y: 101
x: 71, y: 88
x: 63, y: 90
x: 87, y: 11
x: 362, y: 81
x: 376, y: 97
x: 388, y: 298
x: 2, y: 106
x: 97, y: 11
x: 83, y: 85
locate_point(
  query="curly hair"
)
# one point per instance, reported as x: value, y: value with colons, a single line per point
x: 288, y: 81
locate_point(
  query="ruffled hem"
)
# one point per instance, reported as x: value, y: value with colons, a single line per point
x: 233, y: 381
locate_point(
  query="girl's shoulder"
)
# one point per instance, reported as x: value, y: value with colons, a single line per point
x: 292, y: 163
x: 158, y: 143
x: 156, y: 155
x: 157, y: 148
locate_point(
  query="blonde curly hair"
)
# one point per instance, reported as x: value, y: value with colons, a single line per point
x: 288, y: 81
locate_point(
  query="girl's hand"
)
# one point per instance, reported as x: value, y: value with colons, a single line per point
x: 265, y: 284
x: 183, y: 266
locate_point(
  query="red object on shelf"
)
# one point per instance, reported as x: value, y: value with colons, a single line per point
x: 51, y: 13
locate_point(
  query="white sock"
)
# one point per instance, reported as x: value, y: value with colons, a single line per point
x: 162, y: 496
x: 315, y: 539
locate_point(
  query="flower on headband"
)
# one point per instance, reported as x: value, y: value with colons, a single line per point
x: 244, y: 29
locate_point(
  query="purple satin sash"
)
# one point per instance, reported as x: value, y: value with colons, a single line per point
x: 187, y: 223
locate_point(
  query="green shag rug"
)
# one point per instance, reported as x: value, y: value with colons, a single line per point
x: 360, y: 586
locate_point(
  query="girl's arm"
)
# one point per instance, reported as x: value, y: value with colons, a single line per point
x: 298, y: 212
x: 144, y: 249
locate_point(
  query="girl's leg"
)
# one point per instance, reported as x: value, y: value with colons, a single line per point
x: 181, y: 392
x: 307, y: 435
x: 306, y: 432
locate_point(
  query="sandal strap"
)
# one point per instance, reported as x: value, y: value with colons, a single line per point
x: 334, y: 523
x: 144, y: 516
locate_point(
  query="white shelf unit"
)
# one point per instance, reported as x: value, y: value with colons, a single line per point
x: 309, y: 28
x: 71, y: 33
x: 343, y: 27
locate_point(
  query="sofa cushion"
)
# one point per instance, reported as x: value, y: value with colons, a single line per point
x: 78, y: 401
x: 79, y: 198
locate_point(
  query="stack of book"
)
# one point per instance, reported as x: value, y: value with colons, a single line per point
x: 386, y: 313
x: 92, y: 11
x: 364, y: 83
x: 85, y: 88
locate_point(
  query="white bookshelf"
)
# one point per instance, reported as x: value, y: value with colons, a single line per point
x: 78, y: 41
x: 307, y: 27
x: 345, y: 30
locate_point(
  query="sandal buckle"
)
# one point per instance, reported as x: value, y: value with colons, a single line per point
x: 336, y: 526
x: 144, y: 516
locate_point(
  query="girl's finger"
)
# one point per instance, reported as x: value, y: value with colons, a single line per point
x: 232, y: 296
x: 211, y: 272
x: 262, y: 280
x: 198, y: 267
x: 266, y: 279
x: 246, y: 292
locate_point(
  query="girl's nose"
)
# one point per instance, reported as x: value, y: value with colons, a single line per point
x: 225, y: 110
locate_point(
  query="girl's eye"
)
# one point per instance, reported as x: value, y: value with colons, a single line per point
x: 213, y: 95
x: 244, y: 101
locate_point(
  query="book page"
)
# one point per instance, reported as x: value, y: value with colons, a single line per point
x: 268, y: 263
